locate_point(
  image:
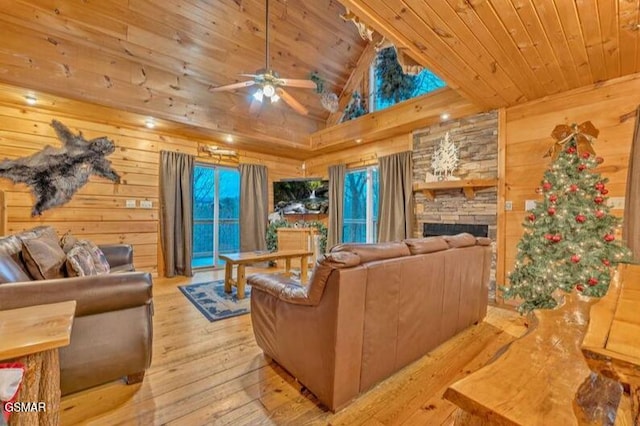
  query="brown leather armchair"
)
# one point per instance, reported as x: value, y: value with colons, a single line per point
x: 112, y: 331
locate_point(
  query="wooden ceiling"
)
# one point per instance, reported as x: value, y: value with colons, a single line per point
x: 159, y: 57
x: 504, y: 52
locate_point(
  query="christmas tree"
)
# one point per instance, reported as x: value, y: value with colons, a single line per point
x: 569, y: 240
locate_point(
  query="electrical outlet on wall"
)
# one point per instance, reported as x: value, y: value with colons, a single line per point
x: 529, y: 205
x: 508, y: 205
x: 130, y: 204
x: 616, y: 203
x: 146, y: 204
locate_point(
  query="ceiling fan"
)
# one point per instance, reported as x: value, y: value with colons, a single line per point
x: 270, y: 84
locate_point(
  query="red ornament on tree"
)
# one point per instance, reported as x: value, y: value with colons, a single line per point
x: 556, y: 238
x: 579, y: 287
x: 553, y: 198
x: 599, y: 186
x: 546, y: 186
x: 571, y: 150
x: 581, y: 218
x: 575, y: 258
x: 599, y: 160
x: 551, y: 211
x: 573, y: 187
x: 592, y: 281
x: 604, y: 191
x: 598, y: 200
x: 548, y: 237
x: 609, y: 237
x: 586, y: 154
x: 532, y: 217
x: 599, y: 214
x: 581, y: 167
x: 606, y: 262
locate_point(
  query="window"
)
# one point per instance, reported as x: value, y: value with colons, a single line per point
x: 216, y: 209
x: 413, y: 86
x: 360, y: 208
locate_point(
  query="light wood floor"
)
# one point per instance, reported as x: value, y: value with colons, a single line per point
x: 213, y: 373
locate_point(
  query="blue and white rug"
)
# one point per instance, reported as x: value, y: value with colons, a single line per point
x: 214, y: 303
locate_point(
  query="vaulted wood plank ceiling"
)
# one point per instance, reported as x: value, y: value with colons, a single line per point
x: 159, y: 58
x: 504, y: 52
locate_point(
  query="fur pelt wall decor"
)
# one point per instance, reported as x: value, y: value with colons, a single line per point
x: 55, y: 174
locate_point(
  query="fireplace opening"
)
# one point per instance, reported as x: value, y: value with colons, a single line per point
x: 436, y: 229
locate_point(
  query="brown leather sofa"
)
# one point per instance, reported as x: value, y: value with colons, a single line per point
x: 369, y: 310
x: 111, y: 336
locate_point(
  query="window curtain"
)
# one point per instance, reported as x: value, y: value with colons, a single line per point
x: 631, y: 227
x: 336, y: 200
x: 396, y: 197
x: 176, y: 212
x: 254, y: 208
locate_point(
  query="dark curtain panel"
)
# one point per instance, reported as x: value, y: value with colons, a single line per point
x: 176, y: 212
x: 336, y: 200
x: 631, y: 229
x: 396, y: 197
x: 254, y: 207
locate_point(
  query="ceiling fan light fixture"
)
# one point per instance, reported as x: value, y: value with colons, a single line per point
x: 269, y: 90
x: 275, y: 98
x: 258, y: 95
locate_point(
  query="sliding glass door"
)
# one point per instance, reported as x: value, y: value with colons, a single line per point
x: 216, y: 212
x: 360, y: 214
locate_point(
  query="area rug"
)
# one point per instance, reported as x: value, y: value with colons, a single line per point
x: 210, y: 299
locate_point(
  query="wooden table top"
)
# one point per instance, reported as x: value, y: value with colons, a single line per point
x: 535, y: 380
x: 34, y: 329
x: 614, y: 329
x: 259, y: 256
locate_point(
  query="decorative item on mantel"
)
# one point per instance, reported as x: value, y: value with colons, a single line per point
x: 444, y: 161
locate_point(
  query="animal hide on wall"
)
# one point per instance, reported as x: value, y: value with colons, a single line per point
x: 55, y: 174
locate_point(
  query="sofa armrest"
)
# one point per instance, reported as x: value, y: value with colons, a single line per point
x: 118, y: 254
x: 93, y: 294
x: 281, y: 287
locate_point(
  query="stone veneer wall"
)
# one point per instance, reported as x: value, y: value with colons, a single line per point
x: 477, y: 140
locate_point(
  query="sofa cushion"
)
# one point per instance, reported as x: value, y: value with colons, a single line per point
x: 426, y: 245
x: 67, y: 241
x: 483, y: 241
x: 461, y: 240
x: 99, y: 259
x: 79, y: 262
x: 10, y: 245
x: 378, y: 251
x: 10, y: 271
x: 43, y: 257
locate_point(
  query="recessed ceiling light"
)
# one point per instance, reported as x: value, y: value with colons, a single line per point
x: 229, y: 138
x: 445, y: 116
x: 31, y: 99
x: 150, y: 123
x: 359, y: 140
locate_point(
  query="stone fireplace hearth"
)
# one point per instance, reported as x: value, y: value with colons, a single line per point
x: 477, y: 140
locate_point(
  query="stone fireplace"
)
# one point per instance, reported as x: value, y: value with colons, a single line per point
x: 450, y: 211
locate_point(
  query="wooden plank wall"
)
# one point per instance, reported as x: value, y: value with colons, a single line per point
x: 362, y: 155
x: 610, y: 107
x: 97, y: 211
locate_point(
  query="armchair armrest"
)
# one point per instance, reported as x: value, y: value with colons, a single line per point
x: 93, y: 294
x: 118, y: 255
x: 281, y: 287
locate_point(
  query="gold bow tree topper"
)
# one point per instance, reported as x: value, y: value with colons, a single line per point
x: 584, y: 135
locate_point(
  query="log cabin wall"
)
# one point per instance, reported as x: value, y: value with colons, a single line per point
x: 609, y: 106
x: 98, y: 211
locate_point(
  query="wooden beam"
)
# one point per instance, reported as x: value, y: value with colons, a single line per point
x: 358, y: 73
x: 402, y: 118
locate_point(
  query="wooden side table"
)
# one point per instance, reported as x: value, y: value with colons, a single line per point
x: 32, y: 335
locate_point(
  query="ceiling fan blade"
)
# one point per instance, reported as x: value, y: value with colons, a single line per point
x: 291, y: 101
x: 232, y: 86
x: 255, y: 105
x: 251, y: 75
x: 292, y: 82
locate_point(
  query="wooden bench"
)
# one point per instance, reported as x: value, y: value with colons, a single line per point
x: 543, y: 377
x: 246, y: 258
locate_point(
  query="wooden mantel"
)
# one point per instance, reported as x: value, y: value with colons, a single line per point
x: 468, y: 186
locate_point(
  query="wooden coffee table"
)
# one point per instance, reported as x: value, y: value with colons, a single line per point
x: 245, y: 258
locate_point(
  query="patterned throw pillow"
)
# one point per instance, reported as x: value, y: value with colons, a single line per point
x: 79, y: 262
x: 44, y: 257
x: 99, y: 259
x: 67, y: 241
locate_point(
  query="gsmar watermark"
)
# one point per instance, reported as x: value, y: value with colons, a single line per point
x: 25, y: 407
